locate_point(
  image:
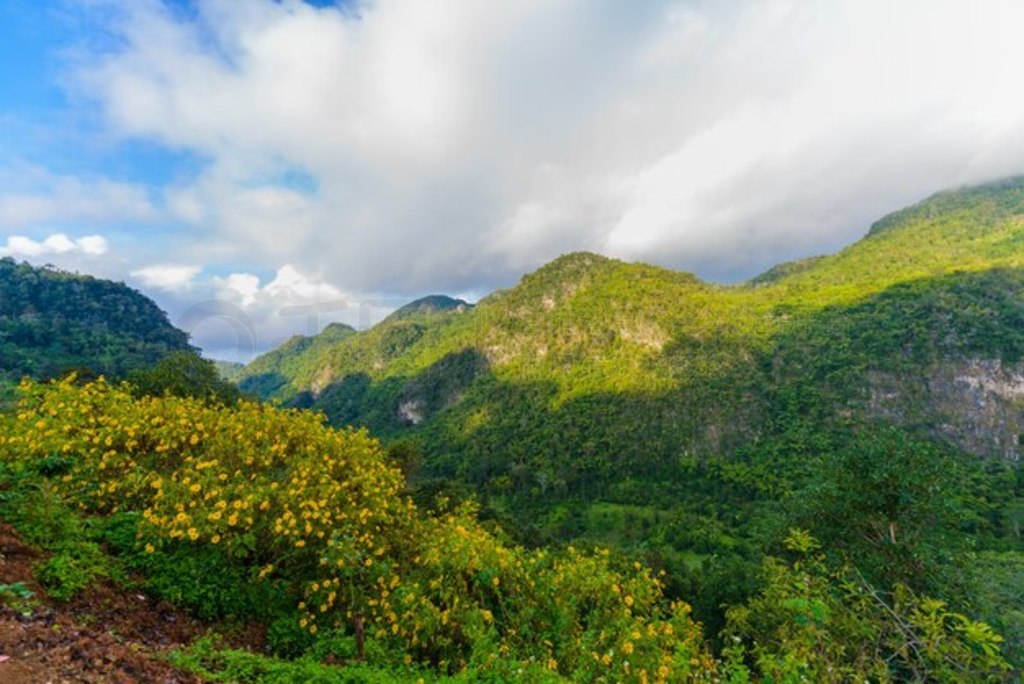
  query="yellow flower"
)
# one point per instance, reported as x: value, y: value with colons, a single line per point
x: 150, y: 548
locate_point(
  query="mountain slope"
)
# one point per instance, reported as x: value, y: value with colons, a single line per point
x: 590, y: 331
x: 598, y: 379
x: 269, y: 375
x: 52, y: 322
x: 429, y: 306
x: 585, y: 326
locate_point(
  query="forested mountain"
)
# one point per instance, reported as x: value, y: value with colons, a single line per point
x: 871, y: 396
x: 52, y: 322
x: 901, y: 326
x: 610, y: 472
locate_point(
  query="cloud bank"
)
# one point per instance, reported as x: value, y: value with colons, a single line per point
x: 58, y: 243
x: 406, y: 147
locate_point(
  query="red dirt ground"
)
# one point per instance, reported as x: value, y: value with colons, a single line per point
x: 103, y: 635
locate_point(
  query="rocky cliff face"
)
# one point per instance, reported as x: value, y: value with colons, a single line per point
x: 978, y: 404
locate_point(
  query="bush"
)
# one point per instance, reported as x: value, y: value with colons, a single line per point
x: 813, y: 624
x: 256, y: 512
x: 73, y: 568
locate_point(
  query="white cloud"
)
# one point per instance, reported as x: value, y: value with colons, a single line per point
x: 32, y: 196
x: 452, y: 144
x: 93, y: 245
x: 56, y: 244
x: 169, y: 277
x: 241, y: 288
x: 291, y: 302
x: 289, y: 287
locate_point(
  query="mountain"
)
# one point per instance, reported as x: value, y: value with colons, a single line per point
x: 607, y: 471
x: 428, y: 306
x: 229, y: 371
x: 267, y: 375
x: 630, y: 404
x: 52, y: 321
x: 594, y: 345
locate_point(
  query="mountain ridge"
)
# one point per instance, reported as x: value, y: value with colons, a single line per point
x: 589, y: 345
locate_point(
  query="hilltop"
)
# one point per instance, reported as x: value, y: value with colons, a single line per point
x: 52, y: 322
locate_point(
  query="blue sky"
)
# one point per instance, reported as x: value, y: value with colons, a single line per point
x: 266, y: 155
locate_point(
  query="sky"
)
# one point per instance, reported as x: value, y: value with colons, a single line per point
x: 261, y: 168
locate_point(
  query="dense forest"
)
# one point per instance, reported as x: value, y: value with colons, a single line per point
x: 610, y: 472
x: 693, y: 424
x: 53, y: 322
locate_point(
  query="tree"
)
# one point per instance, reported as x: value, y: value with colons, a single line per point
x: 184, y: 374
x: 882, y: 499
x: 811, y: 623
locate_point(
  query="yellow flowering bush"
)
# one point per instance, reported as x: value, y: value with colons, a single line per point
x: 323, y: 512
x: 263, y: 482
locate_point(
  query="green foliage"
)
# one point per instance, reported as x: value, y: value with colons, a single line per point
x: 52, y: 322
x: 252, y: 512
x: 813, y: 624
x: 231, y: 665
x: 882, y: 497
x: 45, y: 520
x: 19, y: 597
x: 213, y: 586
x: 996, y: 584
x: 71, y: 569
x: 184, y: 374
x: 16, y: 591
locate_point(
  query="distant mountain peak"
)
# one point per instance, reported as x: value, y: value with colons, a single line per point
x: 337, y: 329
x: 431, y: 304
x: 574, y: 262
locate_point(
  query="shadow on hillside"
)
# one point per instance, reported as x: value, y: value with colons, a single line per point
x: 919, y: 355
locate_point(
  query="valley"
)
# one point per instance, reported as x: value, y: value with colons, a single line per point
x: 609, y: 472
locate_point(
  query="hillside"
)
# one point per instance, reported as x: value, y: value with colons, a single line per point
x: 600, y: 341
x: 610, y: 472
x: 142, y: 523
x: 627, y: 404
x: 268, y: 374
x: 428, y: 306
x: 52, y: 322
